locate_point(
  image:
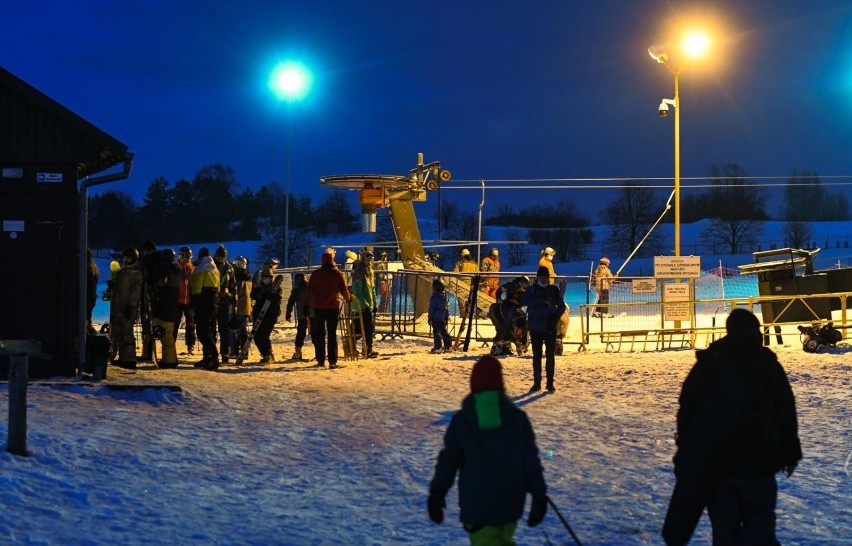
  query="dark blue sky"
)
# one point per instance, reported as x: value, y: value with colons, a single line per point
x: 495, y: 90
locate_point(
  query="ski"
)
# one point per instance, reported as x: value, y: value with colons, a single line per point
x: 276, y: 282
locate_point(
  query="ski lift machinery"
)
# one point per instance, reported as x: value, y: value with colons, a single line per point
x: 398, y: 193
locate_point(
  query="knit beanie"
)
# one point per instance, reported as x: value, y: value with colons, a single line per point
x: 149, y: 245
x: 327, y: 258
x: 220, y: 252
x: 203, y: 251
x: 487, y: 375
x: 542, y: 272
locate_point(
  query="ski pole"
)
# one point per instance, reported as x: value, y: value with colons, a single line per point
x: 565, y: 523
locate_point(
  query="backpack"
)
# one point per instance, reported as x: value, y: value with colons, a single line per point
x: 816, y: 338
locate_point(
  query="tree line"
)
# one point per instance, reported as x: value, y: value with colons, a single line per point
x: 214, y: 207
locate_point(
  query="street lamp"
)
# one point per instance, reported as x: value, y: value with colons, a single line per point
x: 695, y: 44
x: 291, y: 82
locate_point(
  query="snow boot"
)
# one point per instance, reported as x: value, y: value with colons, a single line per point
x: 297, y: 354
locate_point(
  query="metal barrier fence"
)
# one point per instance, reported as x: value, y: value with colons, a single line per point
x: 637, y: 321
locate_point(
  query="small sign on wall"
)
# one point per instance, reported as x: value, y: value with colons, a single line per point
x: 48, y: 178
x: 676, y: 301
x: 644, y: 286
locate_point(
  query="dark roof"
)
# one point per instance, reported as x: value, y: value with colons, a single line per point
x: 35, y: 129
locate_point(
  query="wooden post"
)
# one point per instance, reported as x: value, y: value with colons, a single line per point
x: 18, y: 353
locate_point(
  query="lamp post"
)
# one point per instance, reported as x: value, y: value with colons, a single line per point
x: 695, y: 45
x: 291, y: 82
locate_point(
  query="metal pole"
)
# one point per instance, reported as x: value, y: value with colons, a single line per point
x: 479, y: 236
x: 677, y: 166
x: 287, y: 200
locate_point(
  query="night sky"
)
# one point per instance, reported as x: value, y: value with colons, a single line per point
x: 500, y: 90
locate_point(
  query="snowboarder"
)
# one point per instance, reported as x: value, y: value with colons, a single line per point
x: 490, y: 443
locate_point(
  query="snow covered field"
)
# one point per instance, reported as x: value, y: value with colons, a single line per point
x: 291, y: 455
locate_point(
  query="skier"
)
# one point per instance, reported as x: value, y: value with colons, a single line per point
x: 546, y: 260
x: 226, y: 299
x: 184, y: 305
x: 465, y: 265
x: 165, y: 307
x: 296, y: 304
x: 490, y: 443
x: 272, y: 294
x: 205, y: 298
x: 364, y: 300
x: 125, y: 298
x: 603, y: 280
x: 238, y: 323
x: 326, y: 286
x: 491, y: 264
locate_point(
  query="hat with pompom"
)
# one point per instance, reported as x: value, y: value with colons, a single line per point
x: 487, y: 375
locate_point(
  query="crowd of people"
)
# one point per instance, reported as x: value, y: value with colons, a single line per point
x: 736, y: 426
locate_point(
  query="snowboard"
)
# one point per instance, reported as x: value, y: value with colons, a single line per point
x: 276, y: 284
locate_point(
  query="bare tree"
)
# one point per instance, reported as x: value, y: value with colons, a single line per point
x: 517, y: 253
x: 806, y: 199
x: 738, y: 211
x: 630, y: 215
x: 447, y: 216
x: 797, y: 234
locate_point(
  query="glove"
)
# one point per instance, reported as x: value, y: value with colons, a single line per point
x: 288, y: 316
x: 436, y: 505
x: 537, y: 511
x: 129, y: 312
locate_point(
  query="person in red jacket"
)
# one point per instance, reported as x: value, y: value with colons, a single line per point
x: 326, y: 287
x: 184, y: 292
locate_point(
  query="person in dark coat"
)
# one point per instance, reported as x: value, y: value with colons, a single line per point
x: 268, y: 293
x: 490, y: 443
x: 92, y: 274
x: 544, y: 308
x: 165, y: 307
x: 736, y: 428
x: 439, y: 316
x: 204, y: 287
x: 296, y: 307
x: 326, y: 286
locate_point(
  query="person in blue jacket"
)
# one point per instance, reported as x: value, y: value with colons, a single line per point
x: 544, y: 308
x: 491, y: 445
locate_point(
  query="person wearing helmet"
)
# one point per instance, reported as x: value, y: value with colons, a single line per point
x: 468, y: 266
x: 439, y: 316
x: 238, y: 323
x: 351, y: 260
x: 270, y: 265
x: 205, y: 301
x: 547, y: 261
x: 185, y: 311
x: 125, y: 300
x: 491, y: 264
x: 270, y: 294
x: 226, y: 301
x: 603, y: 279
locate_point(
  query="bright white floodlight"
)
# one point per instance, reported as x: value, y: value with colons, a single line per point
x: 290, y: 81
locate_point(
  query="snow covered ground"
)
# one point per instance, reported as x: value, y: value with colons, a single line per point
x: 291, y: 455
